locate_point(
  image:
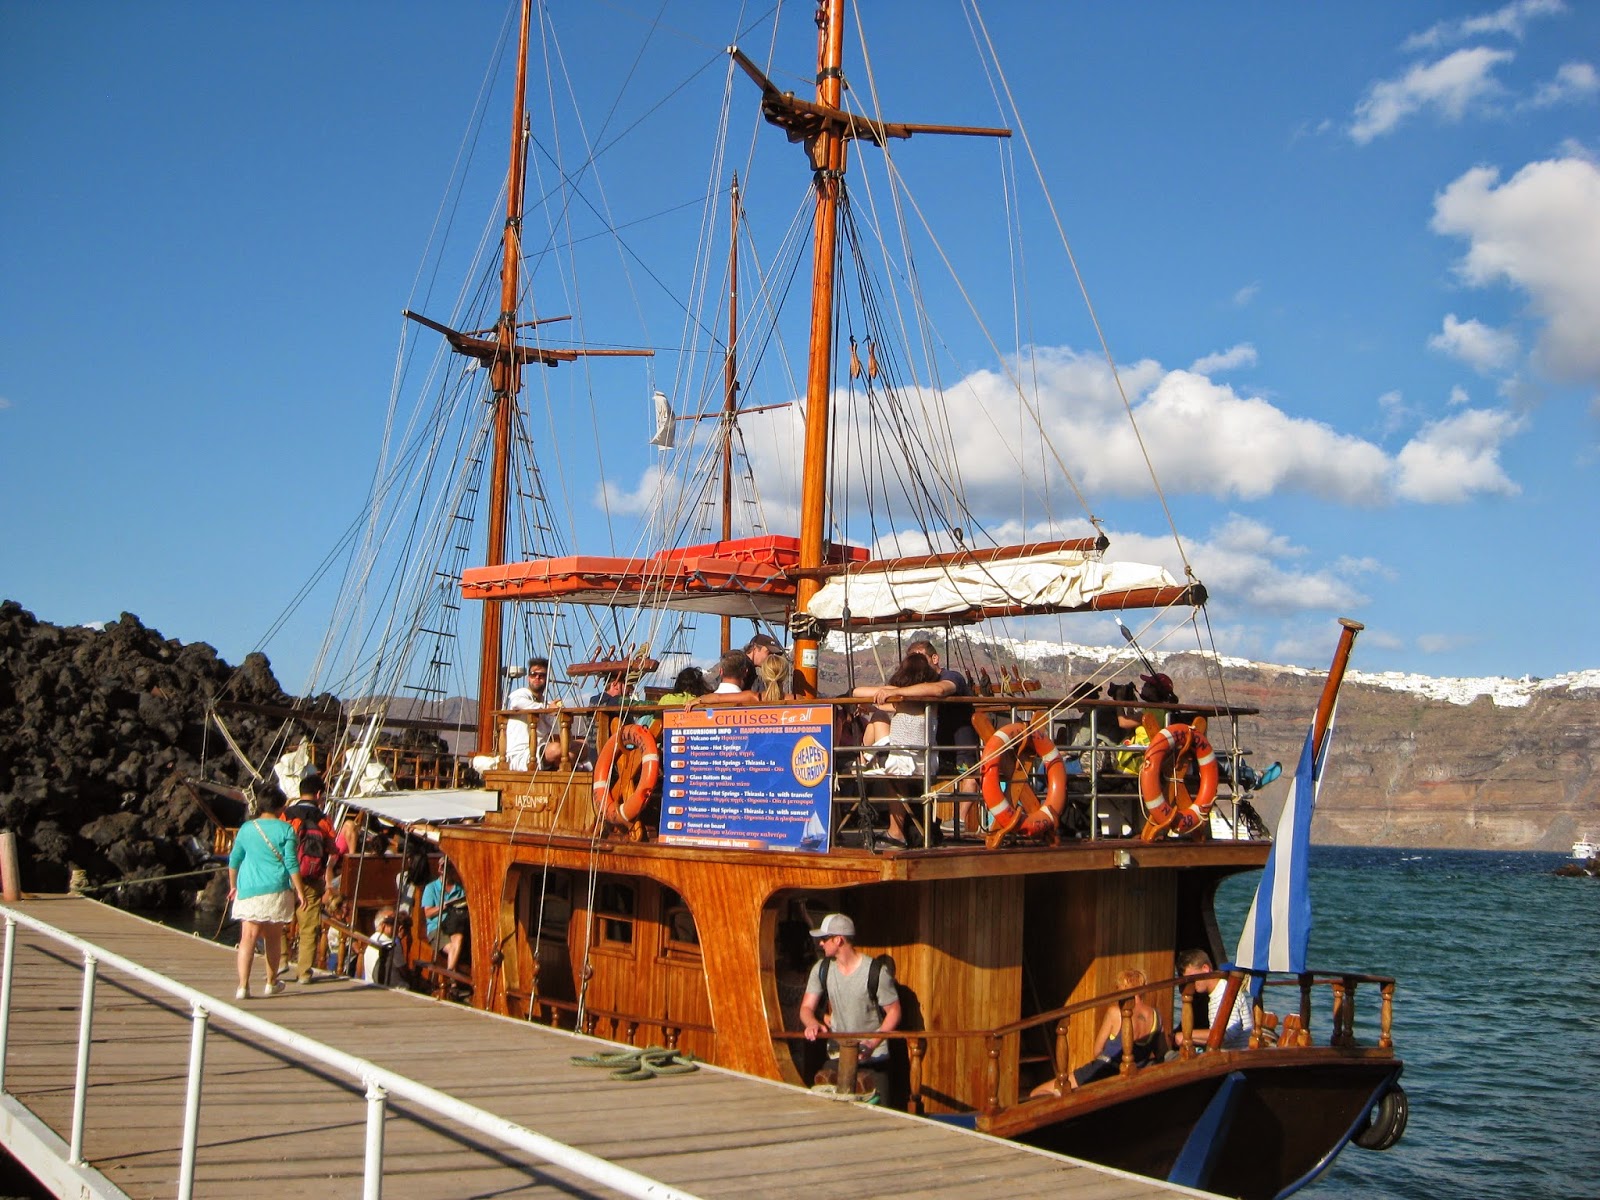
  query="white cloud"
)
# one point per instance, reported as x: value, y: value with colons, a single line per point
x: 642, y: 499
x: 1242, y: 355
x: 1481, y: 347
x: 1246, y: 294
x: 1458, y: 397
x: 1450, y: 86
x: 1539, y: 232
x: 1394, y: 413
x: 4, y: 404
x: 1511, y: 20
x: 992, y: 474
x: 1455, y: 457
x: 1574, y: 81
x: 1247, y: 566
x: 1443, y: 643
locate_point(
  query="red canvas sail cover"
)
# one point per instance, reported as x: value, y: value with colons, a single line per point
x: 738, y: 578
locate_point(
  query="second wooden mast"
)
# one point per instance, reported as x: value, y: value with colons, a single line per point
x: 506, y: 383
x: 827, y: 152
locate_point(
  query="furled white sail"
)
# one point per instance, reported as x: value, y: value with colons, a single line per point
x: 666, y: 423
x: 1057, y: 580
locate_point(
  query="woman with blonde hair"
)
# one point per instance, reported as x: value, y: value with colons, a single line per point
x: 772, y: 677
x: 1149, y: 1040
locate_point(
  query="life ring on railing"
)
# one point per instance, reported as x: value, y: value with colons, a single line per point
x: 1033, y: 818
x: 1386, y: 1120
x: 1167, y: 802
x: 630, y: 750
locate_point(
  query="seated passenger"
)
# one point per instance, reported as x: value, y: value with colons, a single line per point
x: 737, y: 684
x: 1241, y: 1021
x: 1133, y: 730
x: 522, y: 734
x: 444, y: 904
x: 690, y: 684
x: 1149, y: 1040
x: 904, y: 741
x: 772, y: 674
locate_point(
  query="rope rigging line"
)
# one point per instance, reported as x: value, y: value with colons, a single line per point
x: 1083, y: 289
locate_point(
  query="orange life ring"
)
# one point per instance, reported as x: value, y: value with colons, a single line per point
x: 1031, y: 817
x: 1167, y: 802
x: 633, y: 745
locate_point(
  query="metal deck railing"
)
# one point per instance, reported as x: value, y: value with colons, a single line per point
x: 378, y: 1083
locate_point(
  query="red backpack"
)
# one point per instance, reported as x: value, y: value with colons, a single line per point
x: 314, y: 846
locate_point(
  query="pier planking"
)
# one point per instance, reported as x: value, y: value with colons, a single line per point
x: 275, y: 1125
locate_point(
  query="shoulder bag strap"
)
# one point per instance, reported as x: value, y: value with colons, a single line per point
x: 270, y: 846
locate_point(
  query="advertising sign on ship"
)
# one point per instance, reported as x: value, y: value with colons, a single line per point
x: 748, y: 778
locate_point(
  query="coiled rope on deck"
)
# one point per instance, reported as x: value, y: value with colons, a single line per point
x: 637, y: 1065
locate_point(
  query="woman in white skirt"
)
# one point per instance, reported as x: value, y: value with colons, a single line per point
x: 264, y: 885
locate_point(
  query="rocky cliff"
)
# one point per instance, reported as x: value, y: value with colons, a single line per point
x: 98, y: 727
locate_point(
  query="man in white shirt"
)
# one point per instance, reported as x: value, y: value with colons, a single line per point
x: 520, y: 733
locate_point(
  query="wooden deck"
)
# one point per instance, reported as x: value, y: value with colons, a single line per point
x: 272, y: 1125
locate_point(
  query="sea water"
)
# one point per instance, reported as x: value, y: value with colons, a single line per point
x: 1496, y: 1015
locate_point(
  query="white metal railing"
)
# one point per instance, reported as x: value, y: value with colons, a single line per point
x: 379, y: 1082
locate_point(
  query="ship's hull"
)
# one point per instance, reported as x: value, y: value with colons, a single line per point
x: 1255, y: 1129
x: 703, y: 950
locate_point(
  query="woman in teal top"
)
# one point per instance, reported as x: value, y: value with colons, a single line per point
x: 264, y: 885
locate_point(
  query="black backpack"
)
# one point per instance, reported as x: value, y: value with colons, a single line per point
x: 875, y: 966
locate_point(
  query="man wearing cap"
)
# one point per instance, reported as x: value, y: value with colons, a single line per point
x: 845, y: 986
x: 763, y: 644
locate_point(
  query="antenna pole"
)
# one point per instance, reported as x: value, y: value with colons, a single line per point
x: 827, y: 152
x: 1330, y: 687
x: 730, y: 385
x: 505, y: 378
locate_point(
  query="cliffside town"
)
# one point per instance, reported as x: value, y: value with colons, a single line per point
x: 1513, y: 768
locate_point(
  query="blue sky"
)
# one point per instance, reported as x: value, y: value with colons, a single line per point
x: 1347, y: 258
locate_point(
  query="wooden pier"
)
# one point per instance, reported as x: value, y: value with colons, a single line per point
x: 277, y: 1124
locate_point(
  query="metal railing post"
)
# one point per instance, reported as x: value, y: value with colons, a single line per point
x: 5, y: 996
x: 80, y: 1091
x: 372, y: 1180
x: 191, y: 1101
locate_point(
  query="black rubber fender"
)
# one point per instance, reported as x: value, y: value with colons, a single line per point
x: 1386, y: 1120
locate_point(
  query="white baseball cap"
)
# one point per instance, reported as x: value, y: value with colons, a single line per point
x: 835, y: 925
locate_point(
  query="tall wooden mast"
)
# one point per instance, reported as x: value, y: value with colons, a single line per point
x: 730, y: 385
x: 505, y: 358
x: 826, y: 130
x: 827, y: 152
x: 506, y: 381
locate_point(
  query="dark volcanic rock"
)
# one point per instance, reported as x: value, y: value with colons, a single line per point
x: 97, y: 730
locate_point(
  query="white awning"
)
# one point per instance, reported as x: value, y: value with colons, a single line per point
x: 1061, y: 580
x: 433, y: 807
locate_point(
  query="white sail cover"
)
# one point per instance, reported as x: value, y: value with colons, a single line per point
x: 666, y: 423
x: 1063, y: 579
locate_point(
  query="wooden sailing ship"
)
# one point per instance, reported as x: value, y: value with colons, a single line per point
x: 1007, y: 941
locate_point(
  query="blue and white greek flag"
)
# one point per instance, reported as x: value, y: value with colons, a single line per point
x: 1278, y: 929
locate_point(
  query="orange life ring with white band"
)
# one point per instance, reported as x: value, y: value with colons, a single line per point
x: 1167, y: 802
x: 1031, y: 817
x: 630, y: 747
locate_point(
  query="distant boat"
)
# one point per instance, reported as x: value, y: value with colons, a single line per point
x: 1585, y: 850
